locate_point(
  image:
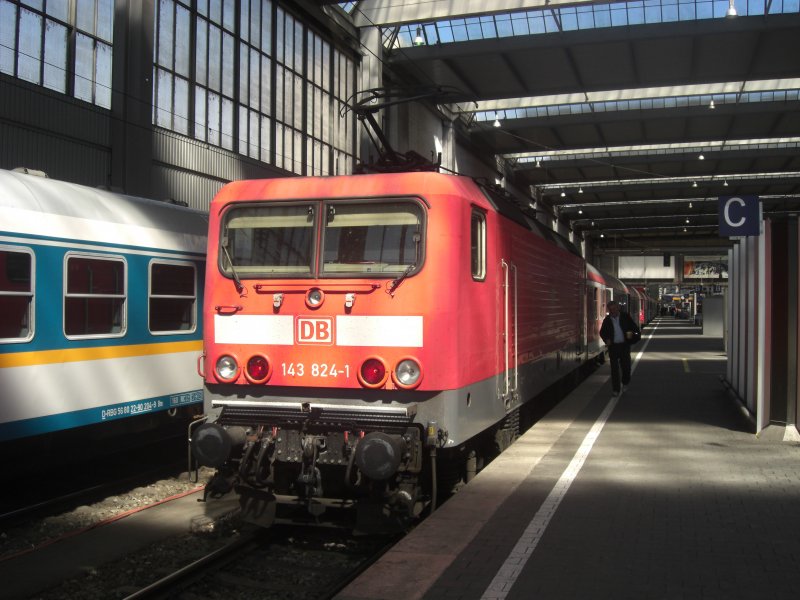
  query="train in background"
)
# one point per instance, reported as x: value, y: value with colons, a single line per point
x: 603, y: 288
x: 649, y: 305
x: 100, y: 320
x: 363, y: 333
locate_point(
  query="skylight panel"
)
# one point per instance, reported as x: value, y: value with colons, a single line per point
x: 488, y: 27
x: 648, y: 99
x: 644, y: 150
x: 503, y: 25
x: 705, y: 179
x: 586, y: 17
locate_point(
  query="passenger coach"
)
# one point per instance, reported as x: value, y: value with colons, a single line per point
x: 99, y: 310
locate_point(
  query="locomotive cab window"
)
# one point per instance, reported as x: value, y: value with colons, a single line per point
x: 478, y: 245
x: 95, y: 296
x: 173, y: 298
x: 268, y: 241
x: 372, y: 237
x: 16, y: 295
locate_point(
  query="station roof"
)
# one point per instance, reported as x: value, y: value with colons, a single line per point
x: 628, y: 120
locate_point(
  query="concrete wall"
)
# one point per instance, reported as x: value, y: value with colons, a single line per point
x: 713, y: 316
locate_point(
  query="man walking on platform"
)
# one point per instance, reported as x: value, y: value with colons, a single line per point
x: 619, y: 332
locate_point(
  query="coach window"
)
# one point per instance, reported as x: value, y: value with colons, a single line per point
x: 16, y: 295
x: 378, y: 238
x: 478, y: 245
x: 268, y: 241
x: 94, y: 302
x: 173, y: 298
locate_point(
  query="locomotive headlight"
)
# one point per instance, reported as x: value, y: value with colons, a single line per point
x: 258, y: 369
x: 226, y: 369
x: 373, y: 373
x: 314, y: 297
x: 407, y: 373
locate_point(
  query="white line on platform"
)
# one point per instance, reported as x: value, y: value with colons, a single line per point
x: 522, y: 551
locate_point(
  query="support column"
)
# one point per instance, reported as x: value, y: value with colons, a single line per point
x: 792, y: 306
x: 370, y: 76
x: 132, y: 97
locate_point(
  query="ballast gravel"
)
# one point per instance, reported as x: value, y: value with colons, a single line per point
x: 122, y: 578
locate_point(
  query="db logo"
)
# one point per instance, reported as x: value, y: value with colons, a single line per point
x: 314, y: 330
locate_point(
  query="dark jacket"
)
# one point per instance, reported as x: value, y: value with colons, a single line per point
x: 627, y: 324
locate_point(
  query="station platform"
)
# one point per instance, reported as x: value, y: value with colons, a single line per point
x: 662, y: 493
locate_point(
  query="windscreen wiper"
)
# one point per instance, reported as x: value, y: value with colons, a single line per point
x: 395, y: 283
x: 236, y: 280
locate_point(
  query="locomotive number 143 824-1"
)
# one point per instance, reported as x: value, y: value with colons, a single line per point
x: 315, y: 370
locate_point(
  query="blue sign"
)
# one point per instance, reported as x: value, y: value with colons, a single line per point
x: 739, y: 215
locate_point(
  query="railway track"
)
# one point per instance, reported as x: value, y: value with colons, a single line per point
x: 60, y: 500
x: 279, y: 563
x: 44, y: 486
x: 184, y: 577
x: 220, y: 558
x: 59, y: 517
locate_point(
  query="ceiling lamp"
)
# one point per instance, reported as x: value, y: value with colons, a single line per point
x: 684, y: 230
x: 694, y: 184
x: 602, y: 235
x: 726, y: 183
x: 711, y: 104
x: 731, y: 10
x: 580, y: 211
x: 563, y: 194
x: 580, y: 190
x: 496, y: 122
x: 690, y: 205
x: 420, y: 41
x: 538, y: 163
x: 701, y: 157
x: 687, y: 220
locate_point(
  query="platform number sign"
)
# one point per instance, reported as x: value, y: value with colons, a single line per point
x: 739, y: 215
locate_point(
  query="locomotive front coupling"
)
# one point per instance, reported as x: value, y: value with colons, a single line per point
x: 377, y: 455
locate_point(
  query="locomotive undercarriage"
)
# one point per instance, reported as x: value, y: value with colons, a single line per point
x: 312, y: 470
x: 370, y: 466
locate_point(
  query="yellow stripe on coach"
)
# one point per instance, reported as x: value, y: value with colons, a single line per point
x: 27, y: 359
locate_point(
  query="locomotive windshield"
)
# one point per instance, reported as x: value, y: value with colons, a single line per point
x: 380, y: 238
x: 371, y: 238
x: 266, y: 240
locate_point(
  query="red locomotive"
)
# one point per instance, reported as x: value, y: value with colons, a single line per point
x: 362, y: 330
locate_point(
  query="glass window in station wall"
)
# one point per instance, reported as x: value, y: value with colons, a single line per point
x: 266, y: 85
x: 44, y: 43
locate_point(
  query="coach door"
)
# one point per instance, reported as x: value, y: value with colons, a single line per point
x: 508, y: 324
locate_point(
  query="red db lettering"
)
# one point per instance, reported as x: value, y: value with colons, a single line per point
x: 314, y: 330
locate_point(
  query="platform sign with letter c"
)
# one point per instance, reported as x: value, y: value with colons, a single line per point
x: 739, y: 215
